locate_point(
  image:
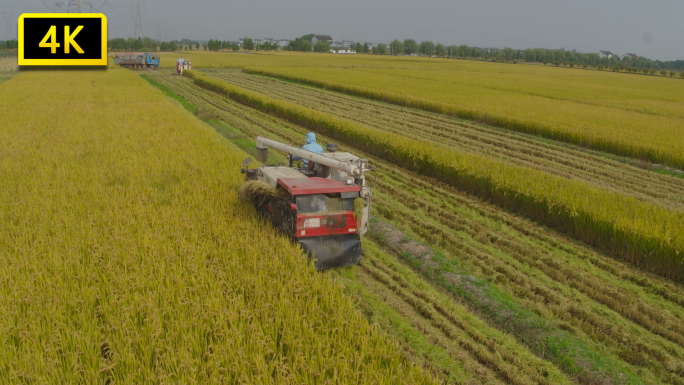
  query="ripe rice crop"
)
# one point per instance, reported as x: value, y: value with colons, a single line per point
x: 623, y: 131
x: 509, y: 147
x: 642, y: 233
x: 636, y: 116
x: 631, y: 318
x: 126, y: 256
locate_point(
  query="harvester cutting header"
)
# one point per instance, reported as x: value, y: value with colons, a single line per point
x: 324, y: 205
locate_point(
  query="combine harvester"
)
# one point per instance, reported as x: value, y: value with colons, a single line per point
x: 325, y: 207
x: 183, y: 65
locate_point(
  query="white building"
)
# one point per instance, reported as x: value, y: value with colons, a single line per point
x: 283, y: 42
x: 607, y: 54
x: 342, y: 50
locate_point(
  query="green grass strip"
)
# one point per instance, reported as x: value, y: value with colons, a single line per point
x: 399, y: 327
x: 188, y: 106
x: 246, y: 144
x: 644, y: 234
x: 543, y: 337
x: 373, y: 252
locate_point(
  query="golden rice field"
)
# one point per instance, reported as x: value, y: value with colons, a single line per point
x: 503, y: 299
x: 632, y: 115
x: 648, y: 235
x: 571, y: 163
x: 126, y: 257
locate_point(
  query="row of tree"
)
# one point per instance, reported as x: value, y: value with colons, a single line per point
x: 594, y: 59
x: 217, y: 45
x: 247, y: 44
x: 408, y: 47
x: 303, y: 44
x: 6, y: 45
x: 148, y: 44
x: 133, y: 44
x: 538, y: 55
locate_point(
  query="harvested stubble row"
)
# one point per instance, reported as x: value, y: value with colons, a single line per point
x: 605, y: 128
x: 126, y: 256
x: 469, y: 137
x: 623, y: 311
x: 645, y: 234
x: 452, y: 326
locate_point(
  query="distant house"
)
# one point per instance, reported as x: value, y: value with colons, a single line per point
x: 343, y: 44
x: 316, y: 38
x: 629, y: 55
x: 283, y: 42
x: 606, y: 54
x: 342, y: 50
x: 268, y: 40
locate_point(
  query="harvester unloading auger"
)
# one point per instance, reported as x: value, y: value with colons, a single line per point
x: 324, y: 207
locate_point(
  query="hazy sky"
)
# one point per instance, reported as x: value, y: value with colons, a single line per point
x: 651, y: 28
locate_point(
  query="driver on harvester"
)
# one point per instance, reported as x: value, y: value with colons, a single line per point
x: 310, y: 145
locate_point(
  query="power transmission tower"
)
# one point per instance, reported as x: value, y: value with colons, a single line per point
x: 158, y: 35
x: 73, y: 6
x: 138, y: 29
x: 8, y: 20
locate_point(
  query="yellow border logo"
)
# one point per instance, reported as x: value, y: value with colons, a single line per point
x: 102, y: 61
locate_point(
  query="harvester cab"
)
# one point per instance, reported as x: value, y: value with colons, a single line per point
x: 325, y: 207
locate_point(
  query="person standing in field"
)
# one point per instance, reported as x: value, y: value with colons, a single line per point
x: 179, y: 65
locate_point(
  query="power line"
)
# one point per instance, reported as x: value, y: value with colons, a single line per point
x: 71, y: 6
x: 8, y: 20
x: 158, y: 34
x: 75, y: 6
x: 138, y: 28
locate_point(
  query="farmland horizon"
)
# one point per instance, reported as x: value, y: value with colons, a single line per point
x: 655, y: 30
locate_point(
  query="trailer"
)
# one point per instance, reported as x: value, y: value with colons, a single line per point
x: 137, y: 60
